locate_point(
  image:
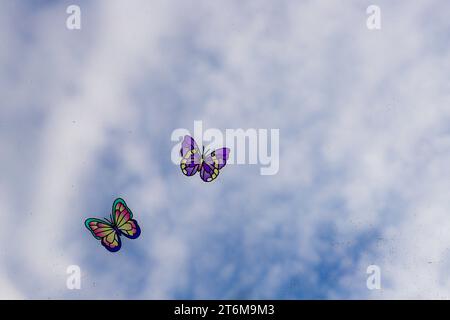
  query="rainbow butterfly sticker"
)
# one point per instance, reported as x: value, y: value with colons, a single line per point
x: 120, y: 223
x: 207, y: 164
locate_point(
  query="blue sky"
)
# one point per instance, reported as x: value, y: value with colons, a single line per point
x: 87, y: 116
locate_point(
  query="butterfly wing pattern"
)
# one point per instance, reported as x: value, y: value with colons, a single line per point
x: 191, y: 157
x: 123, y: 220
x: 105, y: 232
x: 212, y: 163
x: 208, y: 165
x: 109, y: 232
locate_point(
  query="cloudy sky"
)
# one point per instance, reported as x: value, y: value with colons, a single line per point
x: 87, y: 116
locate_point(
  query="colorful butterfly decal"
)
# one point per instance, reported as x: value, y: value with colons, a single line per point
x: 121, y: 222
x: 207, y: 164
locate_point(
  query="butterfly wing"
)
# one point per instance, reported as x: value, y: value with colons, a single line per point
x: 221, y: 155
x: 191, y: 157
x: 104, y: 231
x: 122, y: 217
x: 212, y: 163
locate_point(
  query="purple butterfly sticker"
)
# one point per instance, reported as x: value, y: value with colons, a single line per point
x: 208, y: 164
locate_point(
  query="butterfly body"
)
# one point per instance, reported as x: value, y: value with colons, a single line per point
x: 109, y: 231
x: 194, y: 161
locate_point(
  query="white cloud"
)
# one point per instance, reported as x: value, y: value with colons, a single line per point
x: 364, y: 148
